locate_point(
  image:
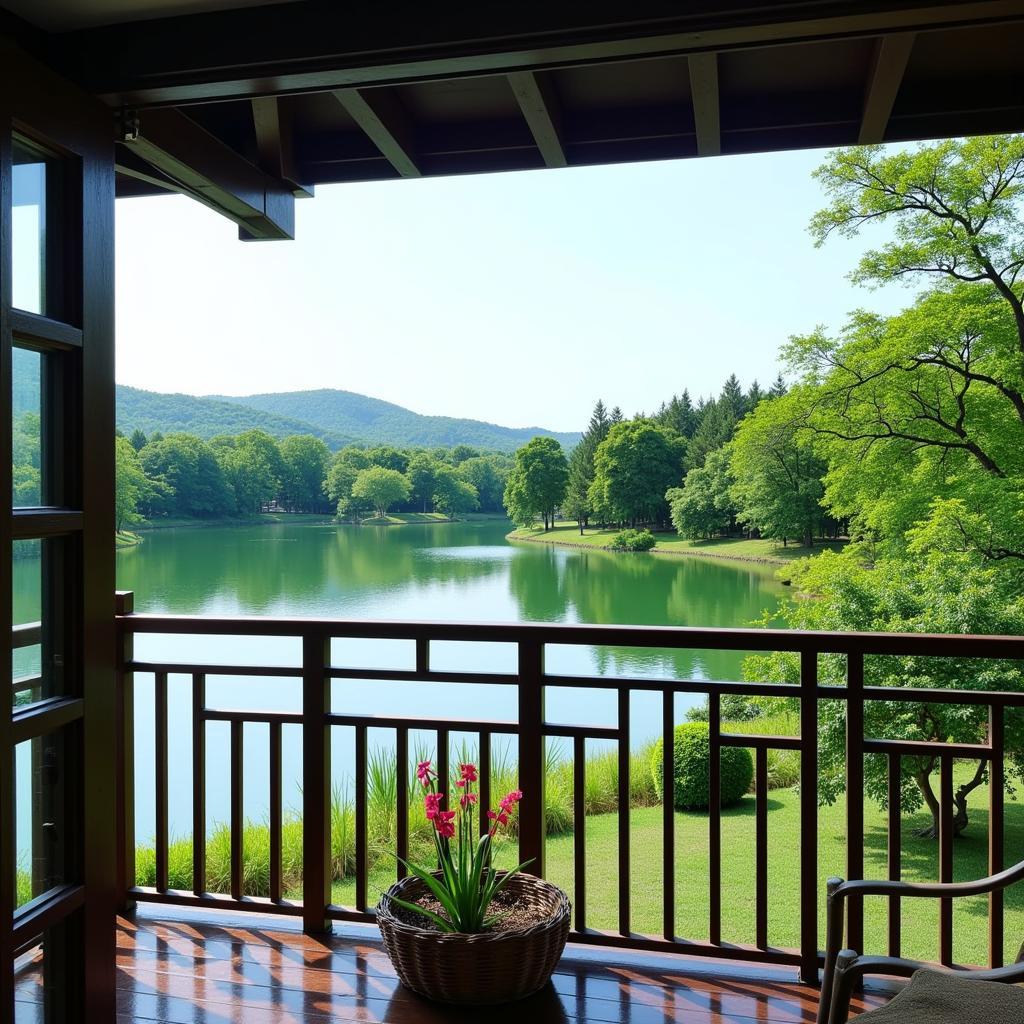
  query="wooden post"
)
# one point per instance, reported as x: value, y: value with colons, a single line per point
x: 531, y: 755
x: 316, y: 783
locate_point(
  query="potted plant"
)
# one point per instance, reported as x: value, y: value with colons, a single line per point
x: 465, y: 932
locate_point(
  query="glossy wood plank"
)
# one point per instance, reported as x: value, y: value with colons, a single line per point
x: 184, y: 968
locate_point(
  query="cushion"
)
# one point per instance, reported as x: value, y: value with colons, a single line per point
x: 934, y: 997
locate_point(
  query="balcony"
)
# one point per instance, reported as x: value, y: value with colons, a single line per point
x: 190, y: 953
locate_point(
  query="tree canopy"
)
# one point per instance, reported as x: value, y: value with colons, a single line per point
x: 536, y: 485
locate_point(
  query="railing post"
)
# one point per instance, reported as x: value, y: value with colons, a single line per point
x: 855, y: 794
x: 124, y: 798
x: 809, y: 817
x: 316, y: 782
x: 531, y: 754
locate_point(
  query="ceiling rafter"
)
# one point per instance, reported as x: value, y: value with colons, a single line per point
x: 204, y: 167
x: 706, y: 108
x: 274, y: 142
x: 542, y: 111
x: 892, y: 52
x: 384, y: 120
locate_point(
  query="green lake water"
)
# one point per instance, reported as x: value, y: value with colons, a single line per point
x: 461, y: 571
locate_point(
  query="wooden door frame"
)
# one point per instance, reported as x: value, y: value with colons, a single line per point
x: 36, y: 100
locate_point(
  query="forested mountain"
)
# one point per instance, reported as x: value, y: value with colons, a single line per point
x: 151, y: 411
x: 373, y: 420
x: 337, y: 417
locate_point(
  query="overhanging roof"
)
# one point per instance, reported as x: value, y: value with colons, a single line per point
x: 310, y: 92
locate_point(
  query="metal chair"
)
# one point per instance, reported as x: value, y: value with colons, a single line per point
x: 845, y: 969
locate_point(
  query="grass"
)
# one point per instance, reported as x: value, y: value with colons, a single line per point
x: 691, y: 836
x: 405, y: 519
x: 670, y: 544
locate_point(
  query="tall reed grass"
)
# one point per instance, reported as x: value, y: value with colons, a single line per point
x: 601, y: 796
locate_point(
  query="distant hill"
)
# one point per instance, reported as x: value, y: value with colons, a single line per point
x: 374, y: 420
x: 150, y: 411
x: 339, y: 417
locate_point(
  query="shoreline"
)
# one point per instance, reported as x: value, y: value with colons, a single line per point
x: 666, y: 552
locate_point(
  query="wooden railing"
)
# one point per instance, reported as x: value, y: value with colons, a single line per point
x: 532, y: 730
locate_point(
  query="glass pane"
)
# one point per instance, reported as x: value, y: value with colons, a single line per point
x: 45, y: 985
x: 26, y: 446
x: 31, y: 177
x: 42, y: 799
x: 38, y: 660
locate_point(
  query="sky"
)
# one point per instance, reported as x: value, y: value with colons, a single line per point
x: 518, y: 298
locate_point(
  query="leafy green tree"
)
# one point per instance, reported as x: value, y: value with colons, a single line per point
x: 253, y: 466
x: 581, y: 466
x: 484, y: 476
x: 452, y: 494
x: 189, y: 479
x: 341, y: 477
x: 304, y: 469
x: 381, y: 488
x: 536, y: 485
x: 388, y: 457
x: 933, y: 592
x: 130, y: 484
x: 778, y: 488
x: 633, y: 468
x: 138, y: 439
x: 422, y: 473
x: 461, y: 452
x: 919, y: 417
x: 26, y: 486
x: 704, y: 507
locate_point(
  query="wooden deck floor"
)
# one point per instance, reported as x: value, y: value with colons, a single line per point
x: 178, y: 968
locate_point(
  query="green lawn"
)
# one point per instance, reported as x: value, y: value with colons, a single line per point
x: 671, y: 544
x: 920, y: 918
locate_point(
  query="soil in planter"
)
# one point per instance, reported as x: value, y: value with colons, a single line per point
x: 513, y: 913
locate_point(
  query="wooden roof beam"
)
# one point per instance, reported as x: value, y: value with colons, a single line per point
x: 543, y: 114
x: 210, y: 171
x: 887, y: 70
x: 274, y: 143
x: 384, y: 121
x: 706, y: 111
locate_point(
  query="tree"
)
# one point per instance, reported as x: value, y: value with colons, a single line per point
x: 452, y: 494
x: 381, y: 487
x: 704, y: 506
x: 778, y: 488
x: 778, y: 388
x: 919, y: 417
x: 482, y: 473
x: 304, y: 468
x: 189, y: 479
x: 138, y: 439
x: 129, y: 483
x: 388, y: 457
x: 536, y: 485
x: 633, y: 468
x: 933, y: 592
x: 581, y: 466
x: 253, y: 467
x: 678, y: 415
x: 422, y: 473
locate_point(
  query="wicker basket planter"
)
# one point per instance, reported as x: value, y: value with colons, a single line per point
x: 488, y: 968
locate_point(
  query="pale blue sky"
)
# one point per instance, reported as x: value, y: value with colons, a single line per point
x: 515, y: 298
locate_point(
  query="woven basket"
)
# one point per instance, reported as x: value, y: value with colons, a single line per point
x: 482, y: 969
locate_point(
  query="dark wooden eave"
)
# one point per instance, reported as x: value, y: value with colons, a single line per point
x: 316, y: 92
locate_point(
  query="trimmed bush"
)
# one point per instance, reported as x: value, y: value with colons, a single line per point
x: 633, y: 540
x: 692, y: 768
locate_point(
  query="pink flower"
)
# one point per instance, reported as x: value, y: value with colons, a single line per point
x: 424, y: 772
x: 500, y: 817
x: 509, y: 801
x: 432, y: 803
x: 466, y: 799
x: 469, y: 772
x: 445, y: 824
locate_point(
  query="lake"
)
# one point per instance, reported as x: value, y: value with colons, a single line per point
x: 451, y: 571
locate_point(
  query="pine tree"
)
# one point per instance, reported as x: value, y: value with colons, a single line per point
x: 778, y: 389
x: 754, y: 395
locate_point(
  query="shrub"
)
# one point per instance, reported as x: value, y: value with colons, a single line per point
x: 633, y: 540
x: 692, y: 764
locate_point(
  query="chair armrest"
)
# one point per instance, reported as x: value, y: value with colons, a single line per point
x: 945, y: 890
x: 850, y: 971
